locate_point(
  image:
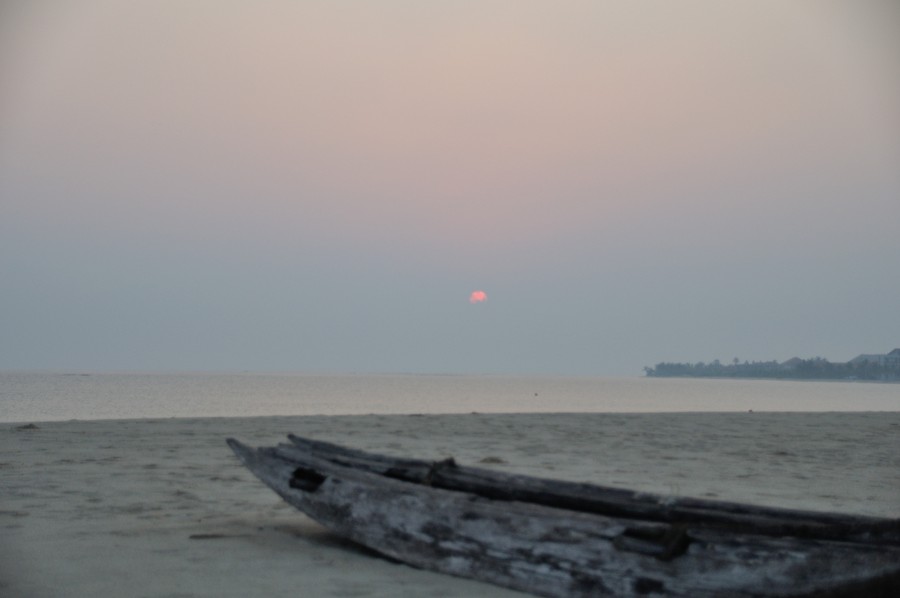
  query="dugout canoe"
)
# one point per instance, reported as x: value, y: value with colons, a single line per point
x: 556, y: 538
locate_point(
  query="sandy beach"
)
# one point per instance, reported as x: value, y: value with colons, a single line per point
x: 161, y: 508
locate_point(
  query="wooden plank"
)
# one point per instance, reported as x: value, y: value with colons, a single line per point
x: 552, y: 552
x: 590, y: 498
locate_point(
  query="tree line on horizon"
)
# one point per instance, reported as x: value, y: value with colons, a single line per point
x: 816, y: 368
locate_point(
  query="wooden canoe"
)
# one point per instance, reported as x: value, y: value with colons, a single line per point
x: 555, y: 538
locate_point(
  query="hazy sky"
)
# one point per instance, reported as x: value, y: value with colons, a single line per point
x: 320, y: 185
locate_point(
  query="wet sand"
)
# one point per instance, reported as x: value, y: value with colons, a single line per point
x: 161, y: 508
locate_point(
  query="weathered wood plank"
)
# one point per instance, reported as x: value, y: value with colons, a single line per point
x: 590, y: 498
x: 551, y: 552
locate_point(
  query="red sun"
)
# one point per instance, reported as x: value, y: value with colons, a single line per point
x: 478, y: 297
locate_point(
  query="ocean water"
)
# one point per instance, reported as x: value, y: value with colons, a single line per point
x: 29, y: 396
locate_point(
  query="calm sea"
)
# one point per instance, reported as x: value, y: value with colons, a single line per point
x: 63, y: 396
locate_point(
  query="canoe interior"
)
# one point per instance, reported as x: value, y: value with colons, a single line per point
x: 591, y: 498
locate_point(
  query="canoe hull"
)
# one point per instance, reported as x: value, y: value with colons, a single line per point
x: 554, y: 552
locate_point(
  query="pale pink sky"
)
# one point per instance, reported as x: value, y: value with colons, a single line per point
x: 618, y: 176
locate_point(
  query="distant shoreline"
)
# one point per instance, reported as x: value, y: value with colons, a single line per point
x: 773, y: 378
x: 864, y: 368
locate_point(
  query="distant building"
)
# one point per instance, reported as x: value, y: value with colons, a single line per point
x: 889, y: 360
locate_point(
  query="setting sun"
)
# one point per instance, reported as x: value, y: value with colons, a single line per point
x: 478, y: 297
